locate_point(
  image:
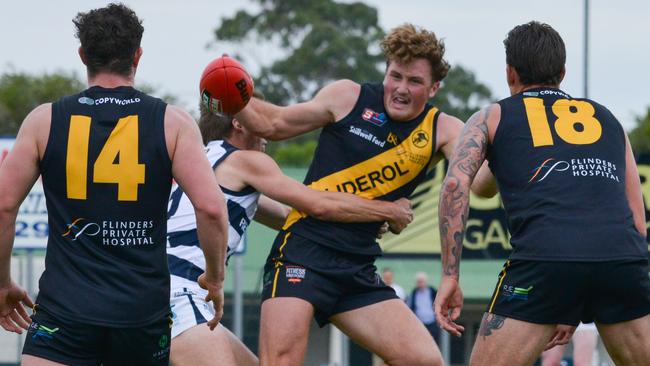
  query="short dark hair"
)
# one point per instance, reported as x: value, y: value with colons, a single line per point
x: 217, y: 126
x: 109, y: 37
x: 537, y: 53
x: 214, y: 126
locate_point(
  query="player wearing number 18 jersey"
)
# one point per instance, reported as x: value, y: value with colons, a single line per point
x: 571, y: 191
x: 107, y: 157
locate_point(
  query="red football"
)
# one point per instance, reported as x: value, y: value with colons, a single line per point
x: 225, y: 86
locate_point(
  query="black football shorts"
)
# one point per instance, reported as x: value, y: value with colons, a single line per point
x: 332, y: 281
x: 571, y: 292
x: 74, y: 343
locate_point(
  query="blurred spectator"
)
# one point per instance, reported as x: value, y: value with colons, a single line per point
x: 387, y: 275
x: 585, y: 340
x: 421, y: 302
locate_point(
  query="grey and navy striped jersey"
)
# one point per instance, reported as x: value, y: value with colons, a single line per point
x: 185, y: 257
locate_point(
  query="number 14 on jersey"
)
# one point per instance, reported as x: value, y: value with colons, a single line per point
x: 121, y: 146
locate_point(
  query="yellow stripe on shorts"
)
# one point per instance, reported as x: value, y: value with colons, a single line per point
x: 496, y: 293
x: 278, y: 264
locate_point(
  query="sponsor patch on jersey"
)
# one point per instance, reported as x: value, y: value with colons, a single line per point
x: 392, y: 139
x: 377, y: 119
x: 86, y: 100
x: 295, y: 274
x: 420, y: 138
x: 576, y: 167
x: 81, y: 226
x: 367, y: 136
x: 109, y: 100
x: 112, y: 233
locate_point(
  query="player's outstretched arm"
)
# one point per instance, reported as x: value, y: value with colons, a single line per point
x: 261, y: 172
x: 18, y: 173
x: 192, y: 171
x: 279, y: 123
x: 271, y: 213
x: 466, y: 160
x: 633, y: 189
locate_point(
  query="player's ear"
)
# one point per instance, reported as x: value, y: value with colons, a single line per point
x: 434, y: 89
x: 82, y: 55
x: 236, y: 124
x: 562, y: 73
x: 511, y: 75
x: 136, y: 57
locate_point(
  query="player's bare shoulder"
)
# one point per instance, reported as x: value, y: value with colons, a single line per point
x: 339, y: 97
x: 448, y: 130
x: 493, y: 118
x: 251, y: 162
x: 36, y: 126
x: 177, y: 121
x: 246, y: 168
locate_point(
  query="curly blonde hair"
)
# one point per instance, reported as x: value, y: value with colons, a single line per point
x: 407, y: 42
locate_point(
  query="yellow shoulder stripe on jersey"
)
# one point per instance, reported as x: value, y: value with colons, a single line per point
x: 383, y: 173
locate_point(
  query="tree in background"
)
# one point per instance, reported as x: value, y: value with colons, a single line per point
x: 21, y: 92
x: 640, y: 135
x: 324, y: 41
x: 461, y: 94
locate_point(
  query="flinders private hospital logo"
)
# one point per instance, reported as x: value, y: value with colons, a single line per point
x: 579, y: 167
x: 79, y: 227
x: 111, y: 232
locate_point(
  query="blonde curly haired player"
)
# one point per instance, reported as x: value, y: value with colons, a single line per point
x: 376, y: 141
x: 255, y: 189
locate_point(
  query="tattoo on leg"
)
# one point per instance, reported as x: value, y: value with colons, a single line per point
x: 490, y: 323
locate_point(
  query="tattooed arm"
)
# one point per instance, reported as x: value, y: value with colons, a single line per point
x: 448, y: 133
x: 454, y: 194
x: 453, y: 209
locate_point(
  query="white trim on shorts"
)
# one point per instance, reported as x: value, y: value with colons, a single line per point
x: 189, y: 308
x: 588, y: 326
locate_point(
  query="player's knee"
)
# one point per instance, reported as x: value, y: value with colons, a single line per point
x: 429, y: 358
x: 282, y: 354
x: 280, y: 359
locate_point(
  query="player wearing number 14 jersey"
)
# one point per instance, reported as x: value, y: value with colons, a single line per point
x: 107, y: 157
x: 571, y: 191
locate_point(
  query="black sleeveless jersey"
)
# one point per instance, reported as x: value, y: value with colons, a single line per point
x: 560, y: 166
x: 106, y: 176
x: 367, y: 154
